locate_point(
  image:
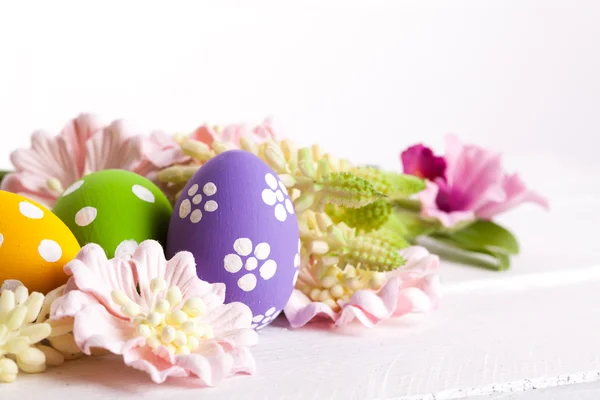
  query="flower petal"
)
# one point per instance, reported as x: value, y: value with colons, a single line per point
x: 143, y: 358
x: 516, y: 194
x: 95, y: 327
x: 76, y: 133
x: 211, y: 364
x: 420, y: 161
x: 114, y: 147
x: 231, y: 325
x: 429, y: 208
x: 300, y: 310
x: 94, y: 274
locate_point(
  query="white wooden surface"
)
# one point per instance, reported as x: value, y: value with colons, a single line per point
x: 532, y: 329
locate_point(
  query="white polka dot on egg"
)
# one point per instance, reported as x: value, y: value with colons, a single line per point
x: 210, y: 189
x: 283, y: 188
x: 143, y: 193
x: 184, y: 209
x: 211, y: 206
x: 49, y: 250
x: 270, y: 311
x: 296, y: 277
x: 196, y: 216
x: 86, y: 216
x: 262, y: 251
x: 251, y: 264
x: 268, y: 197
x: 247, y: 282
x: 267, y: 271
x: 30, y: 210
x: 197, y: 199
x: 232, y: 263
x: 1, y: 239
x: 193, y: 190
x: 257, y: 318
x: 243, y: 246
x: 279, y: 195
x: 271, y: 181
x: 280, y: 213
x: 289, y: 206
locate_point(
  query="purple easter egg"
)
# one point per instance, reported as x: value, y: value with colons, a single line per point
x: 236, y: 218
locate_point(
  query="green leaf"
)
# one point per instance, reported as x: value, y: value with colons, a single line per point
x: 410, y: 224
x: 403, y: 185
x: 486, y: 236
x: 366, y: 219
x: 3, y: 174
x: 449, y: 250
x: 372, y: 252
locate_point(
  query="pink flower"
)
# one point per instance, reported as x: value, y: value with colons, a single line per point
x: 157, y: 314
x: 163, y: 151
x: 84, y: 145
x: 413, y: 288
x: 474, y: 186
x: 420, y: 161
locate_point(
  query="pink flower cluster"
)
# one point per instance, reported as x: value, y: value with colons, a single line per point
x: 467, y: 183
x: 86, y: 145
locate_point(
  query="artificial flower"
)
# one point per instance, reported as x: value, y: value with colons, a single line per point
x: 413, y: 288
x: 19, y: 332
x: 420, y: 161
x: 85, y: 145
x: 474, y: 185
x: 157, y: 314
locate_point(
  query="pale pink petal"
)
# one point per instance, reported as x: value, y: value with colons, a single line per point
x: 76, y: 133
x: 149, y: 262
x: 516, y: 194
x: 95, y: 327
x: 70, y: 304
x: 31, y: 186
x: 10, y: 284
x: 231, y: 325
x: 300, y: 310
x: 243, y: 361
x: 210, y: 363
x: 143, y: 358
x: 162, y: 151
x: 94, y: 274
x: 265, y: 130
x: 114, y: 147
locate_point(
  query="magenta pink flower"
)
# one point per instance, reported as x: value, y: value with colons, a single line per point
x: 85, y: 145
x: 474, y: 185
x: 157, y: 314
x: 413, y: 288
x: 420, y: 161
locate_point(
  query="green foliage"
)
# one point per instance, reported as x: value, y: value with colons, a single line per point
x: 374, y: 252
x: 365, y: 219
x: 402, y: 185
x: 347, y: 190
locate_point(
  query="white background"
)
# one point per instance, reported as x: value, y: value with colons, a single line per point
x: 363, y: 79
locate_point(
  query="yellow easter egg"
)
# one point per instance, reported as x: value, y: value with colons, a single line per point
x: 35, y: 244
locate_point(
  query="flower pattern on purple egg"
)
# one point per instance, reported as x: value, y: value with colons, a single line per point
x: 243, y: 256
x: 185, y: 208
x: 260, y: 321
x: 276, y: 195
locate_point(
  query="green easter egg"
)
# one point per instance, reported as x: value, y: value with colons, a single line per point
x: 113, y: 208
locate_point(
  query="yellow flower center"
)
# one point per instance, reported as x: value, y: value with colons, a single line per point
x: 168, y: 323
x: 336, y: 284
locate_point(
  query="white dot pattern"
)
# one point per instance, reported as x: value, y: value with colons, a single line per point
x: 296, y: 277
x: 233, y: 262
x: 276, y: 195
x: 49, y: 250
x: 211, y: 206
x: 251, y: 264
x: 184, y: 209
x: 197, y: 199
x: 30, y: 210
x: 193, y: 190
x: 267, y: 271
x: 247, y: 282
x: 262, y: 251
x: 143, y: 193
x: 196, y: 216
x: 209, y: 189
x: 270, y: 311
x: 243, y: 246
x: 72, y: 188
x: 125, y: 249
x: 1, y: 239
x: 86, y: 216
